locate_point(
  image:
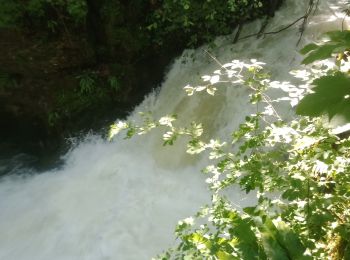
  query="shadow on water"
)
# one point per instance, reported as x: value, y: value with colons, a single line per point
x: 28, y: 159
x: 27, y: 148
x: 28, y: 151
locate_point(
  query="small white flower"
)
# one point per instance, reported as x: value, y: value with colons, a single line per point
x: 166, y: 120
x: 214, y: 79
x: 189, y: 221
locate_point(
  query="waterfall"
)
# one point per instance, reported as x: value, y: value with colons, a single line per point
x: 122, y: 199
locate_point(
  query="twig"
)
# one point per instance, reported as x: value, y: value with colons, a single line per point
x: 312, y: 6
x: 308, y: 12
x: 315, y: 9
x: 240, y: 26
x: 268, y: 100
x: 215, y: 59
x: 263, y: 27
x: 347, y: 13
x: 308, y: 204
x: 273, y: 32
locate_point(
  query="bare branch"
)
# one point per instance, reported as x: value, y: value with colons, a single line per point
x: 312, y: 7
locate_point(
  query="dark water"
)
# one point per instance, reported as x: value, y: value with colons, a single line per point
x: 15, y: 157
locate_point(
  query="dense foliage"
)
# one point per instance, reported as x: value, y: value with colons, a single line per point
x: 331, y: 93
x: 200, y: 21
x: 69, y: 53
x: 298, y: 169
x: 44, y: 15
x: 195, y: 21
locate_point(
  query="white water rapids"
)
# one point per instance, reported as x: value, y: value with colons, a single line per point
x: 122, y: 199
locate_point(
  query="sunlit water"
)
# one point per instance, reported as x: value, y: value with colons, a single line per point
x: 122, y: 199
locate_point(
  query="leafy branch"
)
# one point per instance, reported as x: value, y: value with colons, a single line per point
x: 301, y: 160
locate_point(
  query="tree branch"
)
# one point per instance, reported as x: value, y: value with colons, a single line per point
x: 312, y: 6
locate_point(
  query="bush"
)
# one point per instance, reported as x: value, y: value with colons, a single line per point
x: 201, y: 21
x: 302, y: 161
x: 46, y: 15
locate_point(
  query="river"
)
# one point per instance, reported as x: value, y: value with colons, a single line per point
x: 122, y: 199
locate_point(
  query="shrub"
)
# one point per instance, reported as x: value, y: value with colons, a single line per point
x: 299, y: 170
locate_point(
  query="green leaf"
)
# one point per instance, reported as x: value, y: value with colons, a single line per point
x: 225, y: 256
x: 339, y: 36
x: 273, y: 249
x: 291, y: 242
x: 330, y: 97
x: 247, y: 241
x: 308, y: 48
x: 280, y: 242
x: 130, y: 133
x: 321, y: 53
x: 347, y: 251
x: 252, y: 211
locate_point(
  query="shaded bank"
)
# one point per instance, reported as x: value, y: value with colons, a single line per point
x: 65, y: 67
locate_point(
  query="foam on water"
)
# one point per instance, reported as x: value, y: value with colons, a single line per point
x: 122, y: 199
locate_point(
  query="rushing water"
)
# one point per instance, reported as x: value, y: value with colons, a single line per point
x: 122, y: 199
